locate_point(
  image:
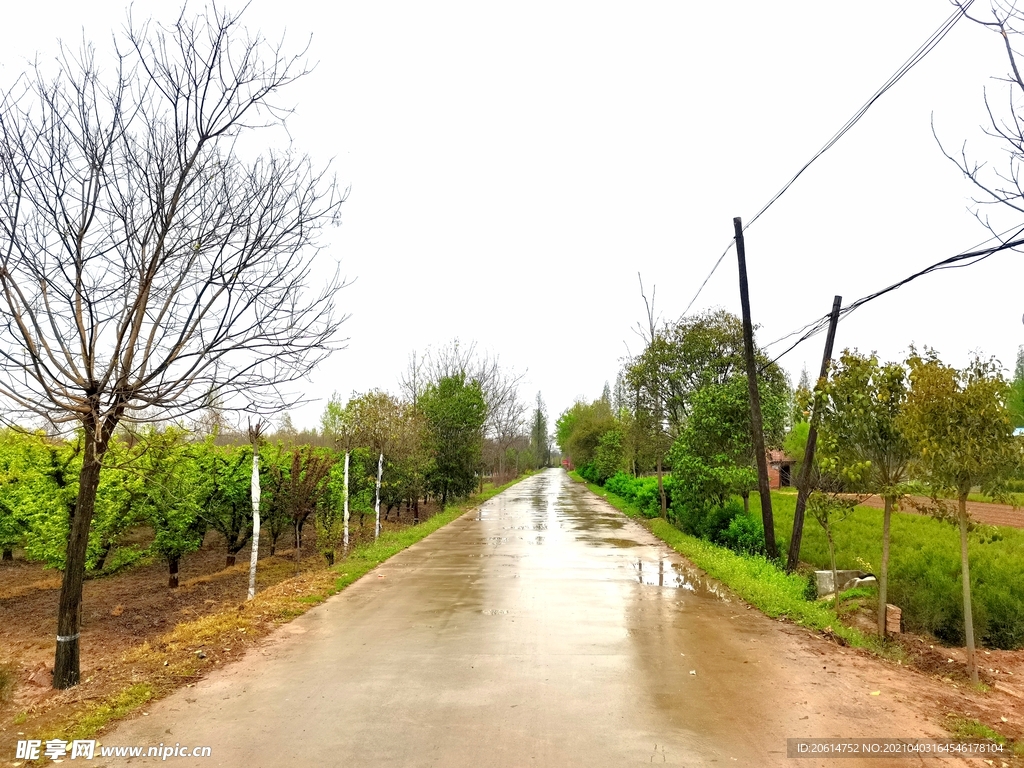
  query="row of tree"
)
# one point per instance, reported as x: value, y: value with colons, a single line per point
x: 373, y: 454
x: 918, y: 426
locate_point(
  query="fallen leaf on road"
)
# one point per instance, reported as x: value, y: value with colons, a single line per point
x: 876, y: 693
x: 693, y: 671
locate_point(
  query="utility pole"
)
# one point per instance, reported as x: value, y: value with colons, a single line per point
x: 804, y: 482
x: 756, y: 423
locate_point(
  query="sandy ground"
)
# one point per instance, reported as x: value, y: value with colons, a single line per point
x: 980, y: 511
x: 547, y: 630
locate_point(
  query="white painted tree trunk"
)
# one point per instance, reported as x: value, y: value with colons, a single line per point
x: 344, y: 495
x: 376, y: 504
x: 254, y: 554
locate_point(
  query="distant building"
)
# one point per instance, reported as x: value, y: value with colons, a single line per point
x: 780, y: 469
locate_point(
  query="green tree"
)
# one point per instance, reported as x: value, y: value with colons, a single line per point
x: 539, y: 434
x: 168, y: 480
x: 1015, y: 398
x: 227, y: 506
x: 719, y: 431
x: 455, y: 412
x: 802, y: 399
x: 580, y: 428
x: 862, y: 438
x: 961, y: 428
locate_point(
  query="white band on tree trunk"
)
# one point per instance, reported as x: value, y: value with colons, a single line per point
x: 68, y: 638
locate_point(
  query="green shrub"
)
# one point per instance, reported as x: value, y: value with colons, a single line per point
x: 710, y: 521
x: 589, y: 473
x: 744, y: 535
x: 642, y: 492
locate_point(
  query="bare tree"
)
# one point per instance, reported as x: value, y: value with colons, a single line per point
x: 148, y: 264
x: 999, y: 185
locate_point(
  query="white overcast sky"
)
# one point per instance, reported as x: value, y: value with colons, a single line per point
x: 513, y: 166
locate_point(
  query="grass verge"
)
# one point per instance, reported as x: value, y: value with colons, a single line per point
x: 193, y: 648
x: 754, y: 579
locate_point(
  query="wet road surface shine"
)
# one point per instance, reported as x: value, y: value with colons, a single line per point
x: 544, y: 629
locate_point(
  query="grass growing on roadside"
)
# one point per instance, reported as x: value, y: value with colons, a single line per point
x: 754, y: 579
x: 97, y: 716
x: 924, y: 568
x: 969, y: 728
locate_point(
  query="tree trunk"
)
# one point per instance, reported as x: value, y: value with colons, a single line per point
x: 416, y: 511
x: 8, y: 555
x: 330, y: 557
x: 376, y: 501
x: 172, y: 572
x: 661, y: 490
x: 230, y: 560
x: 101, y: 558
x: 972, y: 662
x: 835, y: 572
x: 883, y: 576
x: 746, y: 502
x: 255, y: 491
x: 66, y: 667
x: 344, y: 495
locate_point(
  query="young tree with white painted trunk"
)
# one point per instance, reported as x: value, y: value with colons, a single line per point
x: 255, y: 437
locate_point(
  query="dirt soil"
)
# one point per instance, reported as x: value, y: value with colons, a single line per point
x: 124, y: 611
x: 980, y: 511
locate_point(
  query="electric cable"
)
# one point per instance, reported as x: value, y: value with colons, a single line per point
x: 915, y: 58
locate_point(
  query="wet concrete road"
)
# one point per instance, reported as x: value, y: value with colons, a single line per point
x: 543, y: 630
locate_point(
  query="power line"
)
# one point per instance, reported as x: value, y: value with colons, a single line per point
x: 915, y: 58
x: 959, y: 261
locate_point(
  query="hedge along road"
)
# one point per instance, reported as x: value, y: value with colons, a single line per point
x: 543, y: 629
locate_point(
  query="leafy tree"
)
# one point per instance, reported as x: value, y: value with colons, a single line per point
x: 455, y: 411
x: 306, y: 491
x: 167, y: 477
x: 608, y: 458
x: 719, y: 431
x: 681, y: 360
x: 226, y: 506
x: 275, y: 468
x: 580, y: 428
x: 802, y: 398
x: 862, y: 440
x: 22, y: 455
x: 1015, y: 398
x: 962, y: 431
x: 539, y: 434
x: 374, y: 418
x: 329, y: 520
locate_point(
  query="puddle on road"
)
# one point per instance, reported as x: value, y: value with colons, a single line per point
x: 610, y: 540
x: 676, y: 576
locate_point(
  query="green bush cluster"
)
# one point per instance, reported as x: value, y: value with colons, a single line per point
x: 642, y: 492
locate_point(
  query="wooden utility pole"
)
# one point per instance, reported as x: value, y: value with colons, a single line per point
x: 804, y: 482
x: 756, y: 424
